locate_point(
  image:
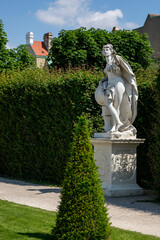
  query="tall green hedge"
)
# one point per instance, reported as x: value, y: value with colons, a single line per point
x: 38, y: 110
x: 37, y: 113
x: 154, y: 148
x: 146, y: 80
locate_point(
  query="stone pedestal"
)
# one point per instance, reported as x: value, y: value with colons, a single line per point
x: 116, y: 158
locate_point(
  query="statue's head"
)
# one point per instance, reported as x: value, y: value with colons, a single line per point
x: 109, y: 47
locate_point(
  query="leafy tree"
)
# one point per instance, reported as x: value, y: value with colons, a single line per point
x: 13, y: 58
x: 20, y: 58
x: 3, y: 49
x: 135, y: 48
x: 82, y: 214
x: 84, y: 47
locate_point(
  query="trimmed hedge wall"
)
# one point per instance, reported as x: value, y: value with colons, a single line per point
x: 154, y: 147
x: 38, y: 110
x: 146, y: 80
x: 37, y: 113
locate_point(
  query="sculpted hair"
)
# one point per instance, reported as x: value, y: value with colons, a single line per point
x: 110, y: 46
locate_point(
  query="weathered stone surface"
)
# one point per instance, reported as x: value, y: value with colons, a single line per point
x: 117, y: 93
x: 115, y: 148
x: 116, y: 159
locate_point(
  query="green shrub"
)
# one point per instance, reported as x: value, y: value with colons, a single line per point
x: 146, y: 80
x: 82, y: 214
x: 38, y: 110
x: 154, y: 148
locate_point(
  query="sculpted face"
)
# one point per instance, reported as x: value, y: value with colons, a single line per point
x: 106, y: 51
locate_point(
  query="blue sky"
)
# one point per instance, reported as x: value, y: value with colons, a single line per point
x: 42, y: 16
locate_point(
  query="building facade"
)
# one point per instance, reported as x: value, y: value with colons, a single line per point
x: 39, y: 49
x: 152, y: 28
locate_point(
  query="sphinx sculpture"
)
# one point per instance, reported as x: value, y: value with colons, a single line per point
x: 117, y: 93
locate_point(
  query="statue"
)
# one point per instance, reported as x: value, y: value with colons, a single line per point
x: 117, y: 93
x: 115, y: 148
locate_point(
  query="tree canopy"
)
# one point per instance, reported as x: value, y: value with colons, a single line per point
x: 13, y: 58
x: 3, y: 49
x: 84, y: 47
x: 20, y: 58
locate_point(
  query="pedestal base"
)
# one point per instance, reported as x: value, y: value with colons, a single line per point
x: 116, y: 159
x: 122, y: 190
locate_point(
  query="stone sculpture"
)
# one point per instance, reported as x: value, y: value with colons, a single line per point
x: 115, y: 149
x: 117, y: 94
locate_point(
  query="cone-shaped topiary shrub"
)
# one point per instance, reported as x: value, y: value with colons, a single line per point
x: 82, y: 214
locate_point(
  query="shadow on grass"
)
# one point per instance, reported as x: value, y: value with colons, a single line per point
x: 40, y: 236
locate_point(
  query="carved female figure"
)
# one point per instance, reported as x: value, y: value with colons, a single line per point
x: 117, y: 93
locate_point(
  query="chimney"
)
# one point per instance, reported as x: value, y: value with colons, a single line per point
x: 115, y: 29
x: 29, y: 38
x: 47, y: 40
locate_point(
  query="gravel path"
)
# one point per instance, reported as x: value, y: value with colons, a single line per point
x: 131, y: 213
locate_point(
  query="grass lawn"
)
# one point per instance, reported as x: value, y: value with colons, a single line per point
x: 27, y: 223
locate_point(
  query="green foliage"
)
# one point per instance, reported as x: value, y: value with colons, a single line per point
x: 154, y: 148
x: 20, y: 58
x: 135, y: 48
x: 146, y: 80
x: 3, y: 49
x: 82, y: 214
x: 13, y: 58
x: 84, y: 47
x: 38, y: 110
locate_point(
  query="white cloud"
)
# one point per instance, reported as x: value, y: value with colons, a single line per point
x: 62, y: 12
x: 76, y: 13
x: 130, y: 25
x: 10, y: 46
x: 107, y: 19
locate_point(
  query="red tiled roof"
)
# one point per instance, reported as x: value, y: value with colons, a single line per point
x: 39, y: 48
x: 154, y: 15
